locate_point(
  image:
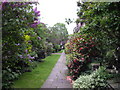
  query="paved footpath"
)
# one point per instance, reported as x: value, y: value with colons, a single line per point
x: 57, y: 78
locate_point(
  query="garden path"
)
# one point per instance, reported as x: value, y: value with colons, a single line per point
x: 57, y: 78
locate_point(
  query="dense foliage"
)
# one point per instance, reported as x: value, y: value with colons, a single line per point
x: 58, y: 35
x: 102, y: 21
x: 95, y: 41
x: 94, y: 80
x: 82, y: 49
x: 24, y: 39
x: 17, y: 20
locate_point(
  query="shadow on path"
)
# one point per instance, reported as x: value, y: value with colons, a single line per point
x: 57, y: 78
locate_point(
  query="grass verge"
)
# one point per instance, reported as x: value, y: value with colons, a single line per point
x: 37, y: 77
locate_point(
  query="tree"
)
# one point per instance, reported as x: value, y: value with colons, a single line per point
x: 58, y: 35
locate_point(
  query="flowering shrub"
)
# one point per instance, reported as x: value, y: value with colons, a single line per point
x: 68, y: 48
x: 24, y: 39
x: 95, y: 16
x: 75, y: 68
x: 83, y: 49
x: 36, y: 21
x: 17, y: 45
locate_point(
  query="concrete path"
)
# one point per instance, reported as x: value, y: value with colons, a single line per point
x: 57, y: 78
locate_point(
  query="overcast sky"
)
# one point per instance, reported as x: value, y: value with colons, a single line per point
x: 55, y: 11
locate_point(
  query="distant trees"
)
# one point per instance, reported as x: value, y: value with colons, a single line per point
x: 58, y: 36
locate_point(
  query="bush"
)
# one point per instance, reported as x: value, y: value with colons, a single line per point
x: 57, y: 48
x: 23, y: 39
x: 81, y: 48
x: 19, y: 21
x: 67, y: 48
x: 97, y: 79
x: 49, y: 48
x: 95, y: 16
x: 69, y: 58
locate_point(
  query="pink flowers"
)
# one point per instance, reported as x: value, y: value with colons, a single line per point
x: 81, y: 38
x: 82, y: 59
x: 69, y: 78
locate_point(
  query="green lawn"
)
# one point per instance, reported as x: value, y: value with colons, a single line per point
x: 60, y: 51
x: 37, y: 77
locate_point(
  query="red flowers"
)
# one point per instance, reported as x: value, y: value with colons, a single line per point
x: 81, y: 48
x: 85, y: 42
x: 75, y: 60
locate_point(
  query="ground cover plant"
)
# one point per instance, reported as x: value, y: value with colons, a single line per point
x: 96, y: 79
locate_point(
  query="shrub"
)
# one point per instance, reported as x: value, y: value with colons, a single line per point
x: 97, y: 79
x: 69, y: 57
x: 67, y: 48
x: 57, y: 48
x: 49, y: 48
x: 82, y: 48
x: 19, y: 22
x: 95, y: 15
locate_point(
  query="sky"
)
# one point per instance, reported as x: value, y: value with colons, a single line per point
x: 55, y: 11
